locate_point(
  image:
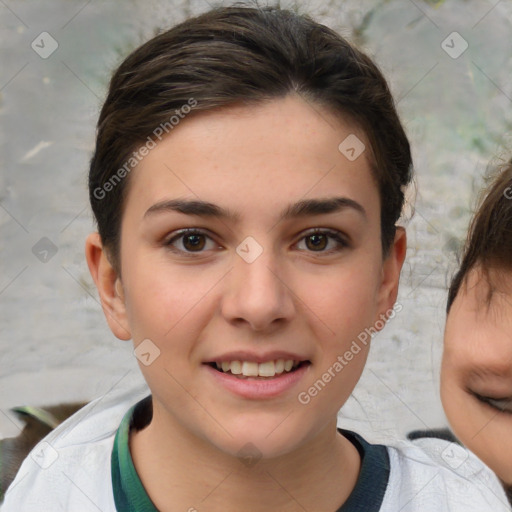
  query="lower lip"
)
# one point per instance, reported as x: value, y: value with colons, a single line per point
x: 256, y: 389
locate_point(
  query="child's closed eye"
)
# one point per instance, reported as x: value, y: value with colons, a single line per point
x: 501, y: 404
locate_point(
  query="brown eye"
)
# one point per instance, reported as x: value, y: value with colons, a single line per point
x: 194, y: 242
x: 323, y: 242
x: 316, y: 242
x: 191, y: 241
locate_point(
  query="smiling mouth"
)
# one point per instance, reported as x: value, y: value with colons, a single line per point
x: 252, y: 370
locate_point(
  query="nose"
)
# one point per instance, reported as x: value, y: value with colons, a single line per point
x: 257, y: 294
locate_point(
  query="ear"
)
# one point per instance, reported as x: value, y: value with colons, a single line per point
x: 109, y: 286
x: 391, y: 268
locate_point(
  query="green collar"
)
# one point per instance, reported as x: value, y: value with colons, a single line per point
x: 130, y: 495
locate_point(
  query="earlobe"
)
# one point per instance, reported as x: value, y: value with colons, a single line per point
x: 391, y: 268
x: 109, y: 286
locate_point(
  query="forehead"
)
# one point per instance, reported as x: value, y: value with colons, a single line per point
x: 491, y: 286
x: 478, y: 335
x: 257, y: 158
x: 483, y: 302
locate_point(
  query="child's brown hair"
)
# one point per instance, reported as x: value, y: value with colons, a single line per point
x: 489, y: 240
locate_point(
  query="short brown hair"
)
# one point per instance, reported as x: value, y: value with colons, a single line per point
x: 243, y: 55
x: 489, y: 240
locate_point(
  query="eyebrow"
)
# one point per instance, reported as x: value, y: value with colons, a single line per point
x: 300, y: 209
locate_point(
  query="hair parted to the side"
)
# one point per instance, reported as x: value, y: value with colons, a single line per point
x: 489, y: 240
x: 243, y: 55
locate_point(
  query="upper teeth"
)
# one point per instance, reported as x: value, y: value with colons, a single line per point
x: 252, y: 369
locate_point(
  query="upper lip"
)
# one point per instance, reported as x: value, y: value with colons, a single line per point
x: 242, y: 355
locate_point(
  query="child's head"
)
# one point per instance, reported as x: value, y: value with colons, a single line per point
x: 476, y: 384
x: 248, y: 174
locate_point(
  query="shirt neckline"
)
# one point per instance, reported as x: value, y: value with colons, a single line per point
x: 130, y: 495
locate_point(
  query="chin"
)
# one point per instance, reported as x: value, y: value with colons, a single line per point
x: 263, y: 439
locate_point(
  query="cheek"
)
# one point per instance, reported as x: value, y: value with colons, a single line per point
x: 483, y: 431
x: 345, y: 300
x: 468, y: 418
x: 161, y: 300
x: 462, y: 416
x: 454, y: 396
x: 451, y: 396
x: 344, y: 311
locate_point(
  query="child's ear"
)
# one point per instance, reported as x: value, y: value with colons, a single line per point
x: 109, y: 286
x: 391, y: 268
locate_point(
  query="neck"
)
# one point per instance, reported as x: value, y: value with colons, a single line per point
x: 182, y: 472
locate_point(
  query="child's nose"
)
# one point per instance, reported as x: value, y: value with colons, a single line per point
x: 258, y: 294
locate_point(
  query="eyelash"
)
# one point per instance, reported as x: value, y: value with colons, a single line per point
x: 334, y: 235
x: 487, y: 401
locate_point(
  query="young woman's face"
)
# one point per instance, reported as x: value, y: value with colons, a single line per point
x: 476, y: 378
x: 250, y: 242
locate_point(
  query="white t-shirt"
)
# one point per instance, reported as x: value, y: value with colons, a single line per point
x: 71, y: 470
